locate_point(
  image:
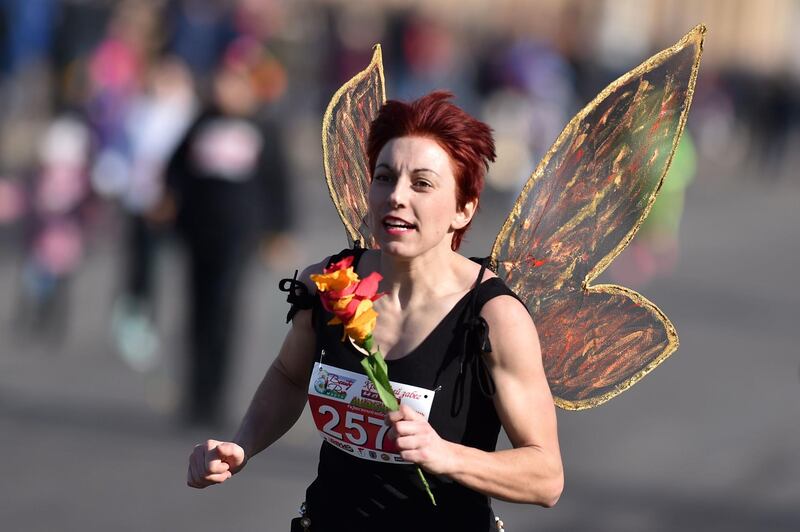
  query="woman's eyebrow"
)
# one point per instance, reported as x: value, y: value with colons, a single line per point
x: 414, y: 171
x: 420, y: 170
x: 386, y: 166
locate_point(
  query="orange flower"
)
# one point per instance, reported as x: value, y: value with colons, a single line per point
x: 349, y: 298
x: 336, y: 278
x: 363, y: 323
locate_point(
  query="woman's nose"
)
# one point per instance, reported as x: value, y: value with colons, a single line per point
x: 399, y: 195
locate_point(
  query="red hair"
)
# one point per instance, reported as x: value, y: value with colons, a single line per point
x: 467, y: 141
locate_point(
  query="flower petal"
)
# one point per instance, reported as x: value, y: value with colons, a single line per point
x: 346, y: 308
x: 368, y: 286
x: 362, y: 324
x: 333, y: 281
x: 344, y: 291
x: 343, y: 264
x: 363, y: 306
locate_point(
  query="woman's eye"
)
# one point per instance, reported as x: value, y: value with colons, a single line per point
x: 421, y: 183
x: 381, y: 177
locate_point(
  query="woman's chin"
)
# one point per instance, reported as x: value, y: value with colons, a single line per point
x: 399, y: 248
x: 405, y: 250
x: 396, y: 249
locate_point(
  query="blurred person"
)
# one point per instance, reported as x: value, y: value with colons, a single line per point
x: 655, y: 251
x: 56, y: 215
x: 156, y: 121
x: 714, y: 123
x: 25, y: 117
x: 432, y: 59
x: 260, y: 19
x: 544, y: 77
x: 28, y: 32
x: 199, y: 32
x: 117, y: 67
x: 530, y: 93
x: 353, y: 30
x: 775, y: 106
x: 227, y: 183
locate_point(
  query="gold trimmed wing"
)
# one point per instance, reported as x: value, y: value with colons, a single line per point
x: 345, y: 128
x: 578, y: 211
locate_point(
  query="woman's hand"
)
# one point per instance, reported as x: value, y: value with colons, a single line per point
x: 214, y: 462
x: 418, y: 442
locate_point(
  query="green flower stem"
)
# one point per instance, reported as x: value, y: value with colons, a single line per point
x: 378, y: 373
x: 427, y: 487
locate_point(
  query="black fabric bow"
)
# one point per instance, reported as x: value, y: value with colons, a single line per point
x: 474, y: 345
x: 297, y: 296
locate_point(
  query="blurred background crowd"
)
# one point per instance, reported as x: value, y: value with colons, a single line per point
x: 130, y: 127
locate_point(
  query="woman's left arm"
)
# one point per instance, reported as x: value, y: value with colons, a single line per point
x: 531, y: 472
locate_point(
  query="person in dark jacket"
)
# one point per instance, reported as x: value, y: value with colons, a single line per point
x: 227, y: 181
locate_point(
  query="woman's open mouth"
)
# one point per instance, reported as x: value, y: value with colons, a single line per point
x: 396, y: 226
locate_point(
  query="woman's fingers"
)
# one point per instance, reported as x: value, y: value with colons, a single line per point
x: 217, y: 466
x: 406, y: 443
x: 416, y: 440
x: 217, y: 478
x: 207, y: 465
x: 231, y: 454
x: 407, y: 422
x: 404, y: 412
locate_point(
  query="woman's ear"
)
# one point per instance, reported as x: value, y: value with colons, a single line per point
x: 464, y: 214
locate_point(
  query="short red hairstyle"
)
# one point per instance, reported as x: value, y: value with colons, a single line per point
x: 467, y: 141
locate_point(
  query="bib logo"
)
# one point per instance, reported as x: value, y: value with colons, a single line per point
x: 332, y: 385
x: 369, y: 392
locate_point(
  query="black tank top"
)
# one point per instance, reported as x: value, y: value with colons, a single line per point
x: 353, y: 494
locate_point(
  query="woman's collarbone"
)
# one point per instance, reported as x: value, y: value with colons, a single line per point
x: 403, y: 333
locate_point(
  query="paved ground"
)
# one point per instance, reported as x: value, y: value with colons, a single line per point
x: 709, y: 441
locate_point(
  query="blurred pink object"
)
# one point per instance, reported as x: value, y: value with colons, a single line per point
x: 12, y: 202
x: 60, y: 190
x: 59, y: 247
x: 115, y: 65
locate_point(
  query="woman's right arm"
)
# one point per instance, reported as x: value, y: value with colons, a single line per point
x: 274, y: 409
x: 282, y: 394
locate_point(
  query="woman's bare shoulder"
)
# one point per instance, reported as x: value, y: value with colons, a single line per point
x: 470, y: 270
x: 505, y: 306
x: 515, y: 341
x: 507, y: 313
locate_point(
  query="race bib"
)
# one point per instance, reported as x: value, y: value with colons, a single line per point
x: 349, y: 413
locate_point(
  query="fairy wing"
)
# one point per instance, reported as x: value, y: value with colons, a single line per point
x: 577, y: 212
x: 345, y: 127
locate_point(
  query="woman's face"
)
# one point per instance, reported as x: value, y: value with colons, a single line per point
x: 412, y: 198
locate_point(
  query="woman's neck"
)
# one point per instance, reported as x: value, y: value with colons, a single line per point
x: 412, y: 282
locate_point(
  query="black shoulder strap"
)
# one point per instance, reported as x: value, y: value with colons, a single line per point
x: 475, y: 335
x: 474, y: 343
x: 356, y: 252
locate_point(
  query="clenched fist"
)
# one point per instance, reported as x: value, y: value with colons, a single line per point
x: 214, y: 462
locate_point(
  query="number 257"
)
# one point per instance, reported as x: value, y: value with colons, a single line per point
x: 354, y: 426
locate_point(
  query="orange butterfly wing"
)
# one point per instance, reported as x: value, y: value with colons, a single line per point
x: 345, y: 128
x: 579, y: 209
